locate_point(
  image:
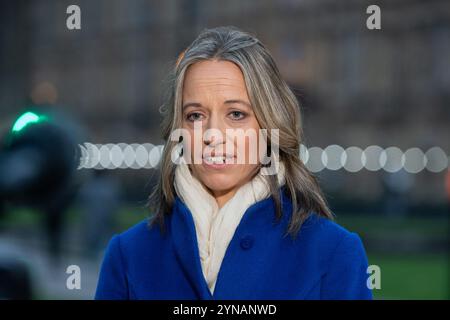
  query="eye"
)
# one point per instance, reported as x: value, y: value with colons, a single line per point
x: 194, y: 116
x: 237, y: 115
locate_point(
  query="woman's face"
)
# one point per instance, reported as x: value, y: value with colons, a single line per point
x: 215, y: 97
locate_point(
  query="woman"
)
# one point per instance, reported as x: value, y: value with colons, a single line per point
x: 224, y: 228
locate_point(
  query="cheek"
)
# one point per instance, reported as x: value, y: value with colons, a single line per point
x: 190, y: 142
x: 251, y: 147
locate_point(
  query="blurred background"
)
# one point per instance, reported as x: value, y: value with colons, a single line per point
x: 376, y: 116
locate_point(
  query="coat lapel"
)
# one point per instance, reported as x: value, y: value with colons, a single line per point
x: 186, y: 247
x: 262, y: 263
x: 249, y: 258
x: 246, y: 268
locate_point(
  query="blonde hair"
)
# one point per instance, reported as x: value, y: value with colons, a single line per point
x: 274, y: 105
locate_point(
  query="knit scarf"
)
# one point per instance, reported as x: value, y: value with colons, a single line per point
x: 215, y: 227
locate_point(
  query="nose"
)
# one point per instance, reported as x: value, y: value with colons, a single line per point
x: 213, y: 134
x: 212, y: 139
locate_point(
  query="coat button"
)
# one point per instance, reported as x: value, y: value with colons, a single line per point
x: 246, y: 242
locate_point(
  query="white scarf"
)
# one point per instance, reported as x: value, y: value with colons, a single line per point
x: 215, y: 227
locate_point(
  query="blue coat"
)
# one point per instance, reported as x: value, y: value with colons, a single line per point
x: 324, y: 262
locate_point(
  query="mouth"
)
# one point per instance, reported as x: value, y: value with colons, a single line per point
x: 219, y: 160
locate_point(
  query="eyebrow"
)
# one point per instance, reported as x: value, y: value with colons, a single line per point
x: 232, y: 101
x: 239, y: 102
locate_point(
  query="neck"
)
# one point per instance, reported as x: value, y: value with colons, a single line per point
x: 223, y: 196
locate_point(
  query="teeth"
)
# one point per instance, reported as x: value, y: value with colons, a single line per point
x: 219, y: 159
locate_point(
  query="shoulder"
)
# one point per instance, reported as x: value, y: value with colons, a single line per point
x: 132, y: 243
x: 139, y: 231
x: 344, y: 261
x: 320, y: 231
x: 113, y: 281
x: 325, y: 229
x: 138, y: 236
x: 341, y: 258
x: 336, y: 243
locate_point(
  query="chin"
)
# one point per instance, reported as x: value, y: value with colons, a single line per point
x: 219, y: 182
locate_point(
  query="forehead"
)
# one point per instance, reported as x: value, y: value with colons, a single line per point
x: 213, y: 76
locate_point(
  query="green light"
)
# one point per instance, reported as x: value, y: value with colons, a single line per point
x: 26, y: 119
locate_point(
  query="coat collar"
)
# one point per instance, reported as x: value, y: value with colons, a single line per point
x: 261, y: 215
